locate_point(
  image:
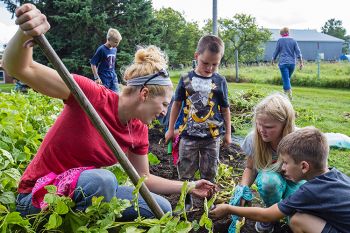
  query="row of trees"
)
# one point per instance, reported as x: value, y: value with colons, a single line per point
x: 78, y: 27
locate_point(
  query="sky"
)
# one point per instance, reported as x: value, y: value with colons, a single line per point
x: 7, y: 25
x: 274, y: 14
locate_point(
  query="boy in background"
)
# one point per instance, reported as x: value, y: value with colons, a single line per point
x: 322, y: 204
x: 103, y: 62
x: 206, y: 112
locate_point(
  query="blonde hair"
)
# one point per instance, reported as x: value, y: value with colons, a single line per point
x: 278, y: 107
x: 284, y: 30
x: 148, y: 60
x: 306, y: 144
x: 114, y: 34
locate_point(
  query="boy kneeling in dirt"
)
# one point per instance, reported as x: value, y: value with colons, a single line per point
x: 322, y: 204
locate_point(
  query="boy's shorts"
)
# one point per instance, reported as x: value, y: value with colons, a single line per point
x: 198, y: 154
x: 329, y: 229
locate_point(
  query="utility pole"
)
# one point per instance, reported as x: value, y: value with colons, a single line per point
x: 215, y: 17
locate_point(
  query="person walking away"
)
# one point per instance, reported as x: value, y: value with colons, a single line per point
x: 287, y: 50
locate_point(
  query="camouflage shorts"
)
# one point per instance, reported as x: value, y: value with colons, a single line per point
x: 202, y: 155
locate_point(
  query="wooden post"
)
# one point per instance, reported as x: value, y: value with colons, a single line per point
x: 97, y: 121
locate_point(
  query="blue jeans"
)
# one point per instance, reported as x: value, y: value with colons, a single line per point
x: 286, y: 72
x: 110, y: 83
x: 272, y: 187
x: 98, y: 182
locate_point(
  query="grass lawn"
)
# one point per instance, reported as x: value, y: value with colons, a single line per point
x: 6, y: 87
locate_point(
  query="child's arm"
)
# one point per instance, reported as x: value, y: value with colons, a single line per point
x: 270, y: 214
x: 94, y: 72
x: 227, y: 118
x: 249, y: 173
x: 175, y: 109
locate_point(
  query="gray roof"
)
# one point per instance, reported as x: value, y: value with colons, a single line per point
x: 305, y: 35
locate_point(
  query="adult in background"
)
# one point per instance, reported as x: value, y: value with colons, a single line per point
x: 73, y: 153
x: 288, y: 51
x: 103, y: 62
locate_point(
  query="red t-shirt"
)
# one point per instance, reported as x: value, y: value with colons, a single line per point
x: 74, y: 142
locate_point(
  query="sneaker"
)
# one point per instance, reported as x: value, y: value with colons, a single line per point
x: 188, y: 202
x: 264, y: 227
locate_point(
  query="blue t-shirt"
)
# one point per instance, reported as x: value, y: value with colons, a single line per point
x: 326, y: 196
x: 205, y: 96
x: 288, y: 50
x: 104, y: 59
x: 164, y: 120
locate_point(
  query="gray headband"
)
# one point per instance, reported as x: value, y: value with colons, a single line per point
x: 160, y: 78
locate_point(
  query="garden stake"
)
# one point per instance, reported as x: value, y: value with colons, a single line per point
x: 97, y: 121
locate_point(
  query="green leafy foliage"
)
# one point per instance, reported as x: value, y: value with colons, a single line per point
x: 153, y: 159
x: 180, y: 206
x: 226, y: 178
x: 24, y: 120
x: 205, y: 220
x: 241, y: 105
x: 243, y: 34
x: 119, y: 173
x: 135, y: 195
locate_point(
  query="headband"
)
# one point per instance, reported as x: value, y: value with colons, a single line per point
x: 160, y: 78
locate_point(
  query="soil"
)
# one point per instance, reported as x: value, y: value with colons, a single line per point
x: 167, y: 169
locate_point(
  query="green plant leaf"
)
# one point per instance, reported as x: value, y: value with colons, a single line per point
x: 61, y: 207
x: 153, y: 159
x: 184, y: 227
x: 54, y: 221
x: 7, y: 198
x: 155, y: 229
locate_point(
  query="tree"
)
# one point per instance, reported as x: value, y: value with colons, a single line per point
x: 243, y: 34
x: 178, y: 37
x: 335, y: 28
x: 79, y: 27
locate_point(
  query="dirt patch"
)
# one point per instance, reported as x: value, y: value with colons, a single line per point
x: 231, y: 156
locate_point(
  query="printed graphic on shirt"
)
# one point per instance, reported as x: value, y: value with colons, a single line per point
x: 111, y: 60
x: 200, y: 115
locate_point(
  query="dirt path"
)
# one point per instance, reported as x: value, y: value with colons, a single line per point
x: 166, y: 169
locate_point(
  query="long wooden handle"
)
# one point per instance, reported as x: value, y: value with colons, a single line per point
x: 97, y: 121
